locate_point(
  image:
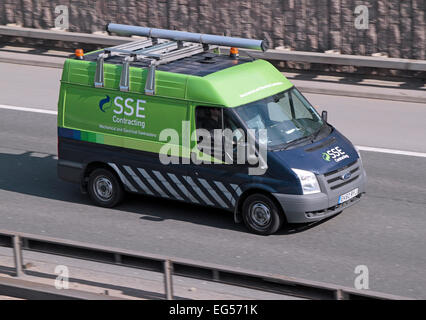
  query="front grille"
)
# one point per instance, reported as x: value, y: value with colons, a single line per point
x: 343, y: 183
x: 340, y: 169
x: 334, y: 179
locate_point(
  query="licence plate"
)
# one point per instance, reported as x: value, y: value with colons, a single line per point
x: 348, y: 196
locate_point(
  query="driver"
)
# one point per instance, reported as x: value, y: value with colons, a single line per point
x: 212, y: 120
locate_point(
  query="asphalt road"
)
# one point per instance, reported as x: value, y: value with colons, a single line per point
x: 386, y: 231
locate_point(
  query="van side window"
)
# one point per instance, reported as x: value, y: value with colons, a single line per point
x: 232, y: 124
x: 207, y: 120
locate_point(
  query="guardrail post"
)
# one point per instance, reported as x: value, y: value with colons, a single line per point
x: 340, y: 295
x: 215, y: 275
x: 117, y: 258
x: 168, y: 281
x: 17, y: 254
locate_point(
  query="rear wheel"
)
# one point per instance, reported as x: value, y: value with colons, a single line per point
x: 261, y: 215
x: 104, y: 188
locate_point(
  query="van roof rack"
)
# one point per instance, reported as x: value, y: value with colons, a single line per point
x: 156, y: 50
x: 152, y: 51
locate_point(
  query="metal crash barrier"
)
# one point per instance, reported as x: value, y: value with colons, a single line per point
x: 272, y: 54
x: 169, y: 267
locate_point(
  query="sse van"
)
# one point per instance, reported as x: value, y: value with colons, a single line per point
x: 119, y: 108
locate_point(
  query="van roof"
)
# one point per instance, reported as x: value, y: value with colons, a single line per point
x: 205, y: 78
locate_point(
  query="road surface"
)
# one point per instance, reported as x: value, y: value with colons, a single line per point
x: 386, y: 231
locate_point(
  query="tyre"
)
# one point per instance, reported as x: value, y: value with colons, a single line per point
x: 104, y: 188
x: 261, y: 215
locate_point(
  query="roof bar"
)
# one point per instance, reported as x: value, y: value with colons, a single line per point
x: 186, y: 51
x: 132, y: 45
x: 150, y: 80
x: 99, y: 74
x: 154, y: 52
x: 125, y: 75
x: 159, y: 48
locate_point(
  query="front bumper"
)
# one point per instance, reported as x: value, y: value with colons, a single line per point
x: 318, y: 206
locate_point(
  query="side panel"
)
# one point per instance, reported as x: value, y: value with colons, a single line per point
x: 119, y: 119
x: 141, y: 172
x: 123, y: 131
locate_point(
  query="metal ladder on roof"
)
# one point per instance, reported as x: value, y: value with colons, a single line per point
x: 151, y: 50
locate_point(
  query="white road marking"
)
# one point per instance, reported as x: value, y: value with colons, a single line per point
x: 392, y: 151
x: 362, y: 148
x: 39, y: 155
x: 15, y: 152
x: 36, y: 110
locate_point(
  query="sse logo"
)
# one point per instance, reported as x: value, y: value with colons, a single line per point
x: 336, y: 154
x: 129, y: 107
x: 326, y: 156
x: 103, y: 102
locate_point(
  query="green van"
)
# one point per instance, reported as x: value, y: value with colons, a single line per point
x: 127, y: 114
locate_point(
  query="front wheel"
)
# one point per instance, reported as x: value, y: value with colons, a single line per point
x: 104, y: 188
x: 261, y: 215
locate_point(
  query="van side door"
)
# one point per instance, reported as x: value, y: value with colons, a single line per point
x: 214, y: 180
x: 142, y: 163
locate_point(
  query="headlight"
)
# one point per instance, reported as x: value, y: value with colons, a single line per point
x: 308, y: 180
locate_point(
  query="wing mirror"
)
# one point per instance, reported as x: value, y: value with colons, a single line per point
x: 324, y: 115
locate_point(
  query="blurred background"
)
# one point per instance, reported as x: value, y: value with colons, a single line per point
x: 395, y: 28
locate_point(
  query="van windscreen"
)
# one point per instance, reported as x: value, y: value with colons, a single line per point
x: 287, y: 117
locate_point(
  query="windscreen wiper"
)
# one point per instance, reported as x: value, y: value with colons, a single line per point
x: 293, y: 142
x: 315, y: 135
x: 311, y: 137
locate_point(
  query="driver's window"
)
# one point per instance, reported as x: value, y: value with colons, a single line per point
x: 207, y: 120
x: 231, y: 124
